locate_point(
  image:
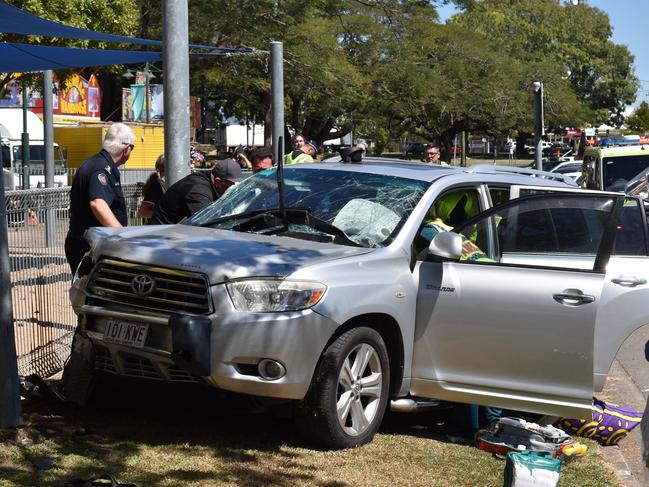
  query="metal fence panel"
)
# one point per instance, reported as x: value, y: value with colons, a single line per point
x: 44, y: 322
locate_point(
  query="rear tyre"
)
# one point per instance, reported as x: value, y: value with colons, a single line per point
x: 349, y: 393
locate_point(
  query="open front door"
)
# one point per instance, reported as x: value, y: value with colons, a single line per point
x: 511, y: 324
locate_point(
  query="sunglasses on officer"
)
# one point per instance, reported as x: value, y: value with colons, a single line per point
x: 130, y: 146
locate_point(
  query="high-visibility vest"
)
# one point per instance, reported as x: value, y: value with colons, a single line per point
x: 470, y: 251
x: 300, y: 157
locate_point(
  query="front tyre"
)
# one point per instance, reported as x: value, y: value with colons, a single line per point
x: 347, y: 398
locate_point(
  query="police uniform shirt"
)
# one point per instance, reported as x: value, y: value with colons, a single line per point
x: 184, y: 198
x: 97, y: 178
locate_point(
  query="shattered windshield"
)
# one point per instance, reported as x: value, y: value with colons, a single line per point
x: 368, y: 209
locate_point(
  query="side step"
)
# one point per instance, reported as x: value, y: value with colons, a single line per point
x: 415, y: 405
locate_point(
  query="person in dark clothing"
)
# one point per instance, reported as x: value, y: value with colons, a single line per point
x: 261, y: 158
x: 96, y: 198
x: 194, y: 192
x: 153, y: 189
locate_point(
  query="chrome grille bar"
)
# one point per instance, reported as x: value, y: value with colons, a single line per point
x: 173, y: 291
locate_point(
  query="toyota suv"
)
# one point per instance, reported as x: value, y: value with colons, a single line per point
x: 364, y: 283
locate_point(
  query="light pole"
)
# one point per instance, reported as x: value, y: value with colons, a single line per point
x: 539, y: 131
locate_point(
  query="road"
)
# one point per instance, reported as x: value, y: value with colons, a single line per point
x: 628, y: 385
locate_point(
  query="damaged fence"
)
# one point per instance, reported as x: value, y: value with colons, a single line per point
x: 44, y: 322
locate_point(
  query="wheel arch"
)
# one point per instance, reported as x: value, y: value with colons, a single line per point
x: 389, y: 329
x: 636, y: 344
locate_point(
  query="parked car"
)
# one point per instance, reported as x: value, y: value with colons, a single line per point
x: 415, y: 150
x: 349, y: 295
x: 571, y: 168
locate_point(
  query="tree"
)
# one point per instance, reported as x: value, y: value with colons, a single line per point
x: 639, y: 119
x: 577, y: 38
x: 451, y: 80
x: 114, y: 17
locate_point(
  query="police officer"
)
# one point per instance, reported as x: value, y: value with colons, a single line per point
x: 96, y: 198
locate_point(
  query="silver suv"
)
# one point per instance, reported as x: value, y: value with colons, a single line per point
x: 353, y: 290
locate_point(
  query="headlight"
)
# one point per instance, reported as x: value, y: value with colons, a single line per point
x: 272, y: 295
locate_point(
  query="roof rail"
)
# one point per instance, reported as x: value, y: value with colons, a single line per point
x: 525, y: 171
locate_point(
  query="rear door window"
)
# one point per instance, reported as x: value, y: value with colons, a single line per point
x: 562, y: 231
x: 630, y: 230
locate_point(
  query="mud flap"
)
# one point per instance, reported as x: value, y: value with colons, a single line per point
x: 78, y: 374
x: 191, y: 338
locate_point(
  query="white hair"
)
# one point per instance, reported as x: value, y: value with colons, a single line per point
x: 117, y: 135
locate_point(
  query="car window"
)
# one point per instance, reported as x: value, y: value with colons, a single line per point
x: 629, y: 230
x: 499, y: 196
x: 547, y: 231
x: 619, y: 170
x: 369, y: 208
x: 450, y: 209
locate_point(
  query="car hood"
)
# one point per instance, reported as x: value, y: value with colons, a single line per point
x: 220, y: 254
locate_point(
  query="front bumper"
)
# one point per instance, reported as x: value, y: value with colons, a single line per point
x: 222, y: 349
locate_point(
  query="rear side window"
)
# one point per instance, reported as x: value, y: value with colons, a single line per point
x: 629, y: 230
x: 551, y: 230
x: 499, y: 196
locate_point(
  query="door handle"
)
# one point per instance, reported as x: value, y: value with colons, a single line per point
x: 629, y: 281
x: 573, y: 297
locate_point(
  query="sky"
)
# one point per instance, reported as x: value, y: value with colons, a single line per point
x: 629, y: 19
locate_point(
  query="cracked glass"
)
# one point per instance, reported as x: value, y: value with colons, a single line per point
x: 369, y: 208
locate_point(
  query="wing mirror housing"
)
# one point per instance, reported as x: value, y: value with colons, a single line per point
x: 447, y: 245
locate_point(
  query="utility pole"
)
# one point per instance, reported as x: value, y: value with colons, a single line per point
x: 277, y: 96
x: 10, y: 409
x: 25, y: 138
x: 147, y: 101
x: 48, y: 141
x: 539, y: 130
x: 176, y: 89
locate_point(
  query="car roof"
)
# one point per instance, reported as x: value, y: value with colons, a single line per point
x: 620, y: 150
x: 431, y: 172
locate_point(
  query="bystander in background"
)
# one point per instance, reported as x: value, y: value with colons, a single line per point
x: 195, y: 191
x: 261, y: 158
x: 153, y: 190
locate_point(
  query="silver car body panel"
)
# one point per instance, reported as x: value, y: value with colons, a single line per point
x: 622, y: 310
x: 489, y: 334
x: 498, y: 330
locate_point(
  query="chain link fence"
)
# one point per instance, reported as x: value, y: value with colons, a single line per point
x: 44, y: 322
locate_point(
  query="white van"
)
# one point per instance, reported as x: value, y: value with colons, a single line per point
x: 11, y: 129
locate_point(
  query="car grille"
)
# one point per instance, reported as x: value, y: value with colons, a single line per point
x: 141, y: 368
x: 173, y: 291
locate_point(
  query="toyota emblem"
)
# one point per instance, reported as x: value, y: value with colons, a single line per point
x: 143, y: 285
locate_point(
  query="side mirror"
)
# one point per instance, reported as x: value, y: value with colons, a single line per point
x: 447, y: 245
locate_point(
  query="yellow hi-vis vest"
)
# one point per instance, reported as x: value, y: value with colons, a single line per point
x: 470, y: 251
x: 301, y: 157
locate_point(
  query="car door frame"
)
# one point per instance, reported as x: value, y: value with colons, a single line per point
x: 440, y: 389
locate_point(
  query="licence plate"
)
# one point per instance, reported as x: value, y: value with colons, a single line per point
x: 126, y: 333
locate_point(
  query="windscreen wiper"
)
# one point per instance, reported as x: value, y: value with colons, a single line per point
x: 259, y: 221
x: 251, y: 214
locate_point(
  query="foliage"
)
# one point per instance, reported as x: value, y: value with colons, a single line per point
x: 577, y: 38
x: 111, y: 16
x: 639, y: 119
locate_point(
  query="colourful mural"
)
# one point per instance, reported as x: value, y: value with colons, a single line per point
x: 75, y: 96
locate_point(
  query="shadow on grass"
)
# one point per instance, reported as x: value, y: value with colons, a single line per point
x: 161, y: 434
x: 238, y: 441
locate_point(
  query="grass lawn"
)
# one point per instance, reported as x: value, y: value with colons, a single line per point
x: 159, y: 436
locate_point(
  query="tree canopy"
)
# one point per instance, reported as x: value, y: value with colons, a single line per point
x: 114, y: 17
x: 639, y: 119
x: 576, y: 38
x: 389, y: 68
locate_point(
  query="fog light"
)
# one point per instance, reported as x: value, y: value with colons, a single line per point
x: 271, y: 369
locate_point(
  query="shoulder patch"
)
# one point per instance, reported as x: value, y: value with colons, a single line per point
x: 102, y: 178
